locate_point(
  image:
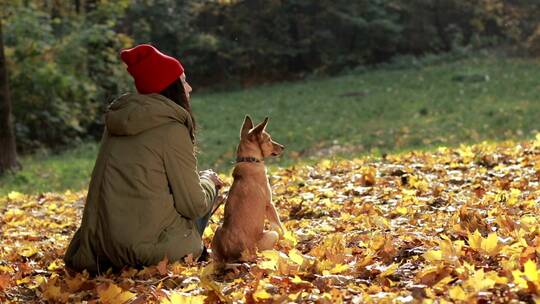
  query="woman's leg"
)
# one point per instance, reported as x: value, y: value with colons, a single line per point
x: 202, y: 222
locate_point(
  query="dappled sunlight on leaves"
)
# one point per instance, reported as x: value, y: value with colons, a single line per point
x: 454, y: 224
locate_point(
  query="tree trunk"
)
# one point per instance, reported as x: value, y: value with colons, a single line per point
x: 78, y: 7
x: 8, y: 153
x: 440, y: 26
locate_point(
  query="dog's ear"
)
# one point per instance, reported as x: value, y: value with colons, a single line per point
x: 246, y: 126
x: 260, y: 127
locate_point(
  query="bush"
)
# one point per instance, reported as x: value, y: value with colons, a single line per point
x: 533, y: 43
x: 59, y: 84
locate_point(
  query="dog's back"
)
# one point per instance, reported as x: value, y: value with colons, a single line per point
x: 245, y: 209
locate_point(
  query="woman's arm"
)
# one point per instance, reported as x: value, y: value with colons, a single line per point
x: 193, y: 195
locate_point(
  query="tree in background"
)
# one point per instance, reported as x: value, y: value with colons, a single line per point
x: 8, y: 152
x: 519, y: 20
x: 64, y: 69
x: 433, y: 26
x: 164, y: 23
x: 254, y: 40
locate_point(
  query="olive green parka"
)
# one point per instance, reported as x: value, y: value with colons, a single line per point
x: 145, y: 191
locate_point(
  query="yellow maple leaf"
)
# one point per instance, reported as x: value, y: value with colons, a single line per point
x: 13, y: 215
x: 466, y: 153
x: 339, y: 268
x: 271, y: 263
x: 514, y: 197
x: 208, y: 283
x: 28, y: 251
x: 401, y: 210
x: 6, y: 269
x: 296, y: 256
x: 519, y: 279
x: 475, y: 240
x: 209, y: 231
x: 294, y: 297
x: 14, y: 195
x: 270, y: 254
x: 408, y: 192
x: 38, y: 281
x: 531, y: 271
x: 419, y: 183
x: 390, y: 269
x: 479, y: 281
x: 369, y: 176
x: 536, y: 143
x: 208, y: 270
x: 112, y: 294
x: 268, y: 265
x: 261, y: 294
x: 178, y: 298
x: 290, y: 237
x: 490, y: 244
x: 451, y: 251
x: 443, y: 283
x: 433, y: 255
x: 334, y: 296
x: 494, y: 276
x: 457, y: 293
x: 324, y: 266
x: 298, y: 280
x: 54, y: 265
x: 273, y: 258
x: 24, y: 280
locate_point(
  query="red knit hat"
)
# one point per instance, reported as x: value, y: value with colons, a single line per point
x: 152, y: 70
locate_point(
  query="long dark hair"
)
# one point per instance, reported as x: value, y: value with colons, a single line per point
x: 175, y: 92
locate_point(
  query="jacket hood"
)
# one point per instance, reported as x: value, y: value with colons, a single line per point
x: 131, y: 114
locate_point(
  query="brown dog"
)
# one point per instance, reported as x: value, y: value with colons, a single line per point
x: 250, y: 199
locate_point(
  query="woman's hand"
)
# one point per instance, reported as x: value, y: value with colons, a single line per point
x: 214, y: 177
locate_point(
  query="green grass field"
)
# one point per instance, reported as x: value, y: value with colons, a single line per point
x: 368, y: 112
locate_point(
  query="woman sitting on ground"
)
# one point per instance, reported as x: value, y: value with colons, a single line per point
x: 146, y: 199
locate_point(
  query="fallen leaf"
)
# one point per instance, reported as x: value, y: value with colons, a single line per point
x: 109, y: 293
x: 162, y: 266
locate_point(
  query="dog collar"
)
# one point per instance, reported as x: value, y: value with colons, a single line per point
x: 247, y: 159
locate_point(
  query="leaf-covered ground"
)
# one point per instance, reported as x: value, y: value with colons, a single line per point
x: 451, y: 225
